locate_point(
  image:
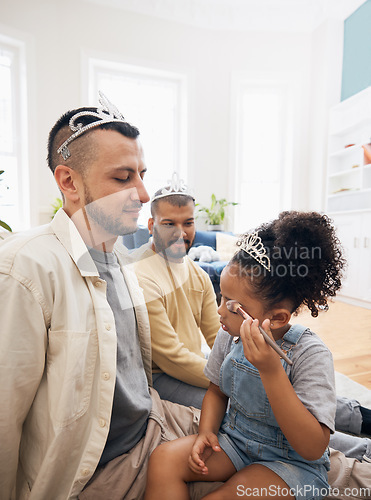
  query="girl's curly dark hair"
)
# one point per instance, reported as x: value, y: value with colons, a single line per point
x: 305, y: 257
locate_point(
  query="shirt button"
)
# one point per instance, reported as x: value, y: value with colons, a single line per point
x: 97, y: 283
x: 106, y: 376
x: 85, y: 472
x: 102, y: 422
x: 108, y: 327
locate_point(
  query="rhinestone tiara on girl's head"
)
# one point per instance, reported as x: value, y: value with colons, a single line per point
x: 106, y: 113
x: 253, y: 246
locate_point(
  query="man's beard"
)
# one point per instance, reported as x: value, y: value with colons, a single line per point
x: 165, y: 248
x: 116, y: 223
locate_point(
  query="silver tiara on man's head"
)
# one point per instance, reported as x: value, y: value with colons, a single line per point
x: 106, y: 113
x: 253, y: 246
x: 176, y: 186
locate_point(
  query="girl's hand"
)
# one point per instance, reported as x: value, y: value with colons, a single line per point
x: 202, y: 449
x: 256, y: 349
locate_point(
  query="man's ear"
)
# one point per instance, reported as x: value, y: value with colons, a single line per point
x: 150, y: 225
x: 68, y: 181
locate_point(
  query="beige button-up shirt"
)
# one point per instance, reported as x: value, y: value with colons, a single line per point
x: 57, y: 361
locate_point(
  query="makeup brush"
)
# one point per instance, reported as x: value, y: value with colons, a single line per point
x: 235, y: 307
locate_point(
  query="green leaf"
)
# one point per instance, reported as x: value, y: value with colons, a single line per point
x: 58, y: 203
x: 216, y: 211
x: 213, y: 201
x: 5, y: 226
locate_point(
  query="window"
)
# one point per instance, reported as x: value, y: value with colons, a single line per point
x: 155, y: 102
x: 14, y: 180
x: 262, y: 161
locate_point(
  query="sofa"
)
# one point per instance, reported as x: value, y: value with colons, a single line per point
x: 220, y: 241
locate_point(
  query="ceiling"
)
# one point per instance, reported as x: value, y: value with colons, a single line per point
x: 242, y: 15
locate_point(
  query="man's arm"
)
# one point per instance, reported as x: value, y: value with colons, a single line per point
x: 22, y: 358
x: 169, y: 351
x: 210, y: 321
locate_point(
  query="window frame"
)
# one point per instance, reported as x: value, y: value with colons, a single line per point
x: 92, y: 62
x: 287, y: 83
x: 20, y: 127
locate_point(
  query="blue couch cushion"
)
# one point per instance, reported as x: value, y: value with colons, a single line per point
x: 207, y: 238
x: 213, y: 269
x: 137, y: 239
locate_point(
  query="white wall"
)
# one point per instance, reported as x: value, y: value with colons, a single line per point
x: 57, y: 34
x: 325, y: 81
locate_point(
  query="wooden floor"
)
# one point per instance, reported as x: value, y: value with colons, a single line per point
x: 346, y: 330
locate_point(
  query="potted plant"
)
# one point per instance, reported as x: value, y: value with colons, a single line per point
x: 3, y: 224
x: 215, y: 212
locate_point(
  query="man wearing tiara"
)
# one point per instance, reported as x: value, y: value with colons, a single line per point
x: 75, y: 352
x: 179, y: 295
x: 79, y: 418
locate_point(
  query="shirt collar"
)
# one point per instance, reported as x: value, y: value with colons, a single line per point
x: 69, y: 236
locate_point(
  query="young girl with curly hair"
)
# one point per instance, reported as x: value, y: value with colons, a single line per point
x: 265, y: 423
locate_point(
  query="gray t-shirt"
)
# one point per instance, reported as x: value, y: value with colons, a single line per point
x: 311, y: 374
x: 132, y: 402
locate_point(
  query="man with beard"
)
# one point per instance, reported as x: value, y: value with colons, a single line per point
x: 75, y: 353
x: 79, y: 417
x: 180, y: 298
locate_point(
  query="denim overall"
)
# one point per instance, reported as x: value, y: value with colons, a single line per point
x: 250, y: 433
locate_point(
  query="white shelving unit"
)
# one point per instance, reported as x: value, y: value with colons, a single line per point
x: 349, y: 190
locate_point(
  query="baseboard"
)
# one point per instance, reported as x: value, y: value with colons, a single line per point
x: 354, y: 302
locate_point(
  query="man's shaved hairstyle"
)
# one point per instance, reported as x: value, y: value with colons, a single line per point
x: 83, y: 148
x: 176, y: 200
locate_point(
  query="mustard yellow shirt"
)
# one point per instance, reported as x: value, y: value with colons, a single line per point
x: 181, y: 306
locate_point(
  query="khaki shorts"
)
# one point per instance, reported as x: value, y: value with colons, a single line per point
x: 349, y: 479
x: 125, y: 476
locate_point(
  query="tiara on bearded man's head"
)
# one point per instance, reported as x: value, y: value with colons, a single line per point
x: 252, y: 244
x: 106, y: 113
x: 176, y: 186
